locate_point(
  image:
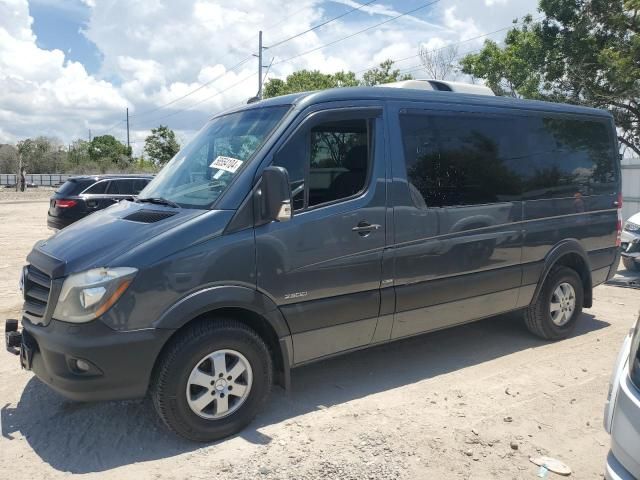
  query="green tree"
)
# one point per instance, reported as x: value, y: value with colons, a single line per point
x: 107, y: 147
x: 161, y: 146
x: 583, y: 52
x: 307, y: 80
x: 515, y: 69
x: 41, y: 155
x: 384, y: 73
x: 78, y: 153
x: 8, y: 158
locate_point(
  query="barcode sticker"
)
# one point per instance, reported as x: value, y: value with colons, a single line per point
x: 228, y: 164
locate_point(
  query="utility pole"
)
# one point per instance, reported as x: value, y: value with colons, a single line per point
x: 128, y: 146
x: 89, y: 135
x: 260, y: 65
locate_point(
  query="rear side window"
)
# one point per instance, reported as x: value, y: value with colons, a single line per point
x: 473, y: 159
x: 328, y: 162
x: 120, y: 187
x: 567, y: 157
x: 460, y: 159
x: 97, y: 188
x: 138, y: 185
x: 73, y: 187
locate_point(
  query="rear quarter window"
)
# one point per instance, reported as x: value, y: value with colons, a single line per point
x: 73, y: 187
x: 567, y: 156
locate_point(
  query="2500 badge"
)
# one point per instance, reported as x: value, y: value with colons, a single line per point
x: 289, y: 296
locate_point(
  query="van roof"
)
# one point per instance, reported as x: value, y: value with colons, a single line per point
x: 305, y: 99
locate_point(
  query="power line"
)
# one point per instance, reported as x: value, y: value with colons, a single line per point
x: 358, y: 32
x: 242, y: 62
x: 322, y: 24
x: 245, y: 60
x: 113, y: 126
x: 244, y: 79
x: 451, y: 44
x: 222, y: 110
x: 237, y: 65
x: 415, y: 68
x: 282, y: 20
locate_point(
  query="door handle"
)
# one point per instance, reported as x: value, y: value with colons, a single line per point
x: 364, y: 228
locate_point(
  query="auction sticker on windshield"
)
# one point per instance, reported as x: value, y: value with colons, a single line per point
x: 228, y: 164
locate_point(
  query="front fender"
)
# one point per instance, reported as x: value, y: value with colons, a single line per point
x: 223, y: 296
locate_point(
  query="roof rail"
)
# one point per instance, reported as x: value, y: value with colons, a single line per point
x: 441, y: 85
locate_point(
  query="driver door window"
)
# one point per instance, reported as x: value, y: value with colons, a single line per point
x: 327, y: 162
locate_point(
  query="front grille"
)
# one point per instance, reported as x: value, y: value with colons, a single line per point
x: 37, y: 287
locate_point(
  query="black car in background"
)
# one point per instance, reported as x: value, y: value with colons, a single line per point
x: 80, y: 196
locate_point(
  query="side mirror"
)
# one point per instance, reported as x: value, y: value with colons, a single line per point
x: 272, y: 198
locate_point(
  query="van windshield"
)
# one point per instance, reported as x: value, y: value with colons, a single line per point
x: 203, y: 169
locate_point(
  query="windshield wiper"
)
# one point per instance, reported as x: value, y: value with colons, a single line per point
x: 158, y: 201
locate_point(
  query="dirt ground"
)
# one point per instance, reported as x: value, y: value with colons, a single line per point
x: 472, y: 402
x: 29, y: 195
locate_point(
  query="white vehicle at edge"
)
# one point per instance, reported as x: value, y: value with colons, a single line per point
x: 622, y: 412
x: 630, y: 243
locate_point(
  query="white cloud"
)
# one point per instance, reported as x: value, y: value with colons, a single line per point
x: 156, y: 51
x: 40, y: 91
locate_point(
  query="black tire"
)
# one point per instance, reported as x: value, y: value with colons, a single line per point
x: 169, y: 382
x: 630, y: 264
x: 537, y: 315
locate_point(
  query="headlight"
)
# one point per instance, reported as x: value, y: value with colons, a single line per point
x: 87, y: 295
x: 634, y: 358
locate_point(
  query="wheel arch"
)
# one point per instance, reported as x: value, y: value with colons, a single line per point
x: 569, y: 253
x: 242, y: 304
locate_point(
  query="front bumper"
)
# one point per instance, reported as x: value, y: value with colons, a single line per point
x: 614, y: 470
x: 622, y: 420
x: 630, y: 244
x: 120, y: 362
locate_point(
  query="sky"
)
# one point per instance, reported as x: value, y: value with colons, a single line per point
x: 70, y: 67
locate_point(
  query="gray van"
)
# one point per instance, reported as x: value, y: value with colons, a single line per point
x: 315, y: 224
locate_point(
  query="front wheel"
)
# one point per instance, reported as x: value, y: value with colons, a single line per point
x: 553, y: 315
x: 212, y: 380
x: 630, y: 264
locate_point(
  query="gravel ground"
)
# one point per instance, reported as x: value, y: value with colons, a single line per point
x: 31, y: 194
x: 472, y: 402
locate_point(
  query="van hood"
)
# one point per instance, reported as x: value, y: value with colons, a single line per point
x: 108, y: 238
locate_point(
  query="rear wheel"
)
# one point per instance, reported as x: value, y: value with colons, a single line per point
x: 630, y: 264
x: 553, y: 315
x: 212, y: 380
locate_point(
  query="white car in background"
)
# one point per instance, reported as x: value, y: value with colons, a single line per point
x: 630, y: 240
x: 622, y: 412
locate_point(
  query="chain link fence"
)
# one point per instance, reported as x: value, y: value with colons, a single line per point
x: 39, y: 179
